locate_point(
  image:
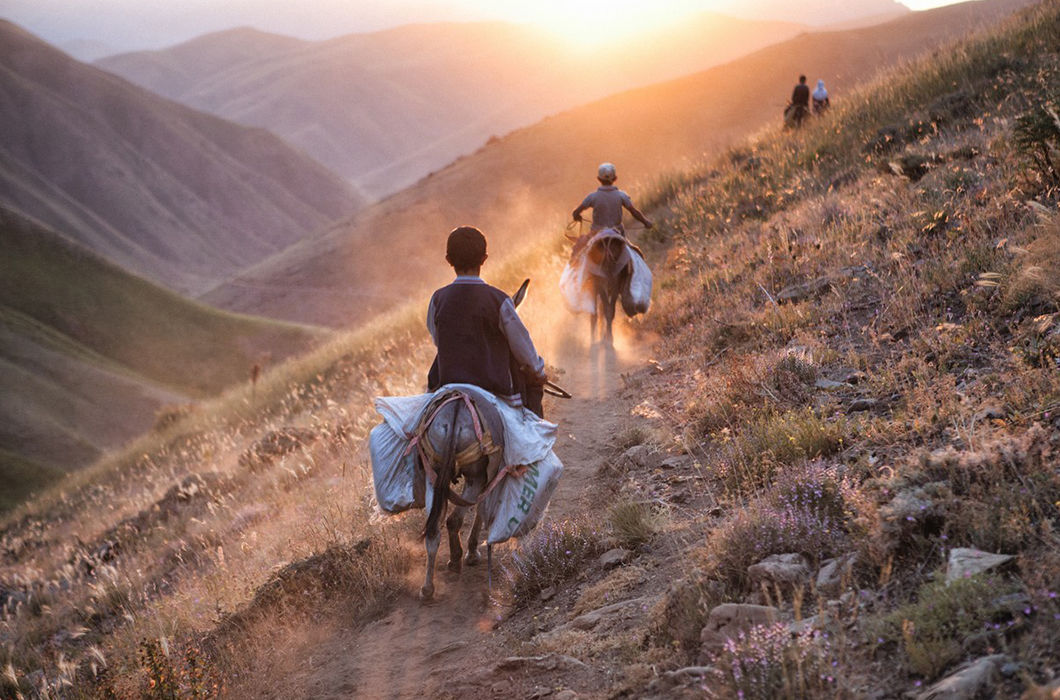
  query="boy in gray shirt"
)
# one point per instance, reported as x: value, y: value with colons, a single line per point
x: 607, y: 203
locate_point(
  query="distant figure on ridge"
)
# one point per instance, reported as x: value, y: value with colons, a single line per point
x: 820, y: 98
x: 607, y: 202
x: 799, y: 107
x: 480, y: 337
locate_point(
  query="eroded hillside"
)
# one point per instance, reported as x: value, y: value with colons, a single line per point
x: 853, y: 381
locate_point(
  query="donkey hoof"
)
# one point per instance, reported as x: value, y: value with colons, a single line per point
x: 454, y: 565
x: 427, y: 592
x: 472, y: 559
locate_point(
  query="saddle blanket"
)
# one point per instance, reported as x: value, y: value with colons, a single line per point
x: 518, y: 502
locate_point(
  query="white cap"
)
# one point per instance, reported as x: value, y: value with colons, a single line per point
x: 606, y: 171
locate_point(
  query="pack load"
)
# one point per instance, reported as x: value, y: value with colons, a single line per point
x: 577, y: 288
x: 531, y: 468
x: 636, y: 295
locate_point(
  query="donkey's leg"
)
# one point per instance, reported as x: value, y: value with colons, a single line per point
x: 609, y: 317
x: 474, y: 540
x: 427, y: 592
x: 453, y: 525
x: 471, y: 493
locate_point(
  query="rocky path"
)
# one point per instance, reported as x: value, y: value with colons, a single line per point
x: 428, y: 649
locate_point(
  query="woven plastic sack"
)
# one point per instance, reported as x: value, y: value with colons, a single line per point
x: 575, y: 292
x: 519, y: 502
x: 636, y: 297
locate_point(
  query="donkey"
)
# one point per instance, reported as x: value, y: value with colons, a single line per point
x: 462, y: 436
x: 608, y: 264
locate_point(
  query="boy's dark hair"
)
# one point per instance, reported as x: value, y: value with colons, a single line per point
x: 466, y: 248
x: 802, y: 78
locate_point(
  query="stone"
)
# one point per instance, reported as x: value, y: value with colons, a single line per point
x: 565, y: 694
x: 614, y: 557
x: 863, y: 404
x: 800, y: 626
x: 638, y: 456
x: 664, y: 685
x: 968, y: 682
x: 829, y: 384
x: 832, y: 574
x: 965, y: 562
x: 848, y: 375
x: 609, y: 613
x: 547, y: 594
x: 791, y: 569
x: 800, y: 292
x: 1010, y: 669
x: 907, y: 505
x: 728, y: 620
x: 546, y: 662
x: 676, y: 462
x: 990, y: 412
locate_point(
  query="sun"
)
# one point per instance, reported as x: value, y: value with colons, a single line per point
x: 596, y: 23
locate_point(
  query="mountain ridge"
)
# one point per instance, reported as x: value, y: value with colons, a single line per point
x: 385, y: 108
x: 178, y: 195
x: 659, y: 127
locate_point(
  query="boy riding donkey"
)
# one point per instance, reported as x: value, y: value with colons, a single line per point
x: 479, y: 335
x: 607, y: 203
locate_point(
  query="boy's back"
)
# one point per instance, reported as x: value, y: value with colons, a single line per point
x: 607, y: 202
x: 471, y: 347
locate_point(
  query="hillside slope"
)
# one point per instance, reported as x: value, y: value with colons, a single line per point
x: 542, y: 172
x: 854, y: 348
x: 384, y: 109
x: 178, y: 196
x: 89, y: 352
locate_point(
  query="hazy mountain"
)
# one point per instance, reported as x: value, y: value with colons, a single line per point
x: 179, y: 196
x: 817, y: 12
x: 87, y: 50
x: 384, y: 109
x: 516, y: 187
x: 89, y: 352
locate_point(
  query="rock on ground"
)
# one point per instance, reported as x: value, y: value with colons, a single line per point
x: 965, y: 562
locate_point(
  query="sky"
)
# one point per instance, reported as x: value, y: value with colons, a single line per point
x: 140, y: 24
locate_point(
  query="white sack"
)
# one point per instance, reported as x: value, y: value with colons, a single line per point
x: 636, y: 298
x: 393, y: 472
x: 527, y: 440
x: 518, y: 503
x: 578, y: 296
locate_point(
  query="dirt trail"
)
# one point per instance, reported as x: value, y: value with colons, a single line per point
x: 419, y: 649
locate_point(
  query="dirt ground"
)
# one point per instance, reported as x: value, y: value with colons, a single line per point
x: 458, y: 643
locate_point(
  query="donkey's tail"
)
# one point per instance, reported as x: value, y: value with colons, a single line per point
x: 444, y: 477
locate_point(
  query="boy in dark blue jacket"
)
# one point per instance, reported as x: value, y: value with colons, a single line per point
x: 479, y: 335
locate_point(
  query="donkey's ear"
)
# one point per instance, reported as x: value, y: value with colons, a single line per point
x: 518, y: 297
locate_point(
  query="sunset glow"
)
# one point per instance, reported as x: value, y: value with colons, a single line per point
x: 595, y: 23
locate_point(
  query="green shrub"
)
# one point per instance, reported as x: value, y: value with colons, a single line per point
x: 930, y: 631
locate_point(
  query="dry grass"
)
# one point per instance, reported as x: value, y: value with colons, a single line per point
x: 889, y: 266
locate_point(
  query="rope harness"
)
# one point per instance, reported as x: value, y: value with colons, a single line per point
x: 484, y: 446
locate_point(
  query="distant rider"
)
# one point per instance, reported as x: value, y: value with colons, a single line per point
x: 607, y: 202
x: 800, y: 96
x: 479, y: 335
x: 820, y: 98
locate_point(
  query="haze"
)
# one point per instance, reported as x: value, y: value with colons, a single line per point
x: 122, y: 25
